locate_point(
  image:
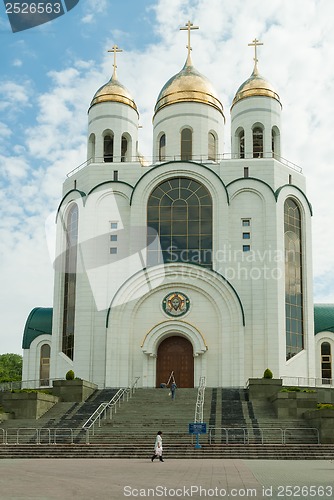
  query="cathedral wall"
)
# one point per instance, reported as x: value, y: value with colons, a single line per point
x: 255, y: 273
x: 200, y: 118
x: 139, y: 324
x: 252, y: 112
x: 117, y: 119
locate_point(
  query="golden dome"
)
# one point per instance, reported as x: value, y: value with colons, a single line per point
x: 255, y: 85
x: 188, y: 86
x: 113, y: 91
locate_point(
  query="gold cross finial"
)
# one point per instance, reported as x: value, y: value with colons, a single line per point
x: 255, y: 43
x: 189, y: 26
x: 115, y: 49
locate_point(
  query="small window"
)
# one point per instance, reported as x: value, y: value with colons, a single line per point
x: 246, y: 222
x: 246, y: 248
x: 115, y: 175
x: 113, y: 250
x: 186, y: 144
x: 124, y: 147
x: 326, y: 363
x: 212, y: 147
x: 242, y: 144
x: 246, y: 236
x: 162, y: 148
x: 246, y: 172
x: 108, y: 148
x: 113, y: 237
x: 113, y: 225
x: 257, y: 142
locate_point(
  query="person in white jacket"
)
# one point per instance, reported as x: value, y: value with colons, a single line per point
x: 158, y: 447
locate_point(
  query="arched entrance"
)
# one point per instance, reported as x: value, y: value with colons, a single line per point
x: 175, y: 354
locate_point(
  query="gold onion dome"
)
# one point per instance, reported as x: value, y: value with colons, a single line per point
x: 255, y: 85
x: 113, y: 91
x: 188, y: 86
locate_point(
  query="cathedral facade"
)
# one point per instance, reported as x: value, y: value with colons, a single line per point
x: 196, y: 262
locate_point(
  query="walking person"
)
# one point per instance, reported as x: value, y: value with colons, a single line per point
x: 158, y: 447
x: 173, y: 388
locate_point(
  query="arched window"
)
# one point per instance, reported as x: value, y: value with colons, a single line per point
x: 124, y: 148
x: 241, y: 142
x: 162, y: 148
x: 70, y: 281
x: 186, y: 144
x: 91, y: 147
x: 293, y: 279
x: 212, y: 147
x: 257, y: 142
x: 180, y: 212
x: 275, y: 146
x: 44, y: 370
x: 108, y: 148
x: 326, y: 363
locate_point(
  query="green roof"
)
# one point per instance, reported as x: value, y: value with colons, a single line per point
x: 323, y: 318
x: 39, y: 322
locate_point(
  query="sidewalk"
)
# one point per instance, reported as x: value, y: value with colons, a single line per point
x: 85, y: 479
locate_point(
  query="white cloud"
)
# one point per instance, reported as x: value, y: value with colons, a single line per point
x: 14, y: 95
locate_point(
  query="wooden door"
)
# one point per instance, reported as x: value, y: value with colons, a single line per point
x: 175, y: 354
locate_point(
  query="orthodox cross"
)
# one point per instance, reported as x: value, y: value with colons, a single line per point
x: 189, y: 26
x: 115, y: 49
x: 255, y: 43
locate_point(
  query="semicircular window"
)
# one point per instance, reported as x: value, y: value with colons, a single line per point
x: 179, y: 211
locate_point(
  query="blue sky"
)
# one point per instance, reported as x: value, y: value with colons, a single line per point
x: 50, y: 73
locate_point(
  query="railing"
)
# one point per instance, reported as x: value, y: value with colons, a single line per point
x: 227, y: 436
x: 27, y: 384
x: 285, y: 436
x: 150, y: 161
x: 36, y: 435
x: 200, y: 401
x: 307, y: 382
x: 102, y: 410
x: 3, y: 432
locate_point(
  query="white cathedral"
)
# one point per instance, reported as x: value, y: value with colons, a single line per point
x: 197, y: 262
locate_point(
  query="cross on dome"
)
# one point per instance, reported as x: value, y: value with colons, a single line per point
x: 115, y: 49
x: 255, y: 43
x: 189, y: 26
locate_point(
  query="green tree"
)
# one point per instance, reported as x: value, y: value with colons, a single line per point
x: 10, y: 367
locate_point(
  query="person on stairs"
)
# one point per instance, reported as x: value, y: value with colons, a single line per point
x: 158, y: 447
x: 173, y: 389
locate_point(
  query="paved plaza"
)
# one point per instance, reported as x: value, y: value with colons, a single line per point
x: 112, y: 479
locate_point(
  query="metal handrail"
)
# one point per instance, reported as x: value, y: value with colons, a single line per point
x: 26, y: 429
x: 149, y: 161
x: 262, y: 430
x: 26, y: 384
x: 120, y: 395
x: 63, y: 429
x: 307, y: 381
x: 3, y: 436
x: 200, y: 401
x: 227, y: 429
x: 304, y: 428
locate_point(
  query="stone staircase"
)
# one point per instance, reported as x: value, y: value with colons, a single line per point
x: 253, y: 422
x: 131, y: 431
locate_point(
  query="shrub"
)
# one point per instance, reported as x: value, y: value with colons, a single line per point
x: 298, y: 389
x: 267, y: 373
x: 325, y: 406
x: 70, y: 375
x: 21, y: 391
